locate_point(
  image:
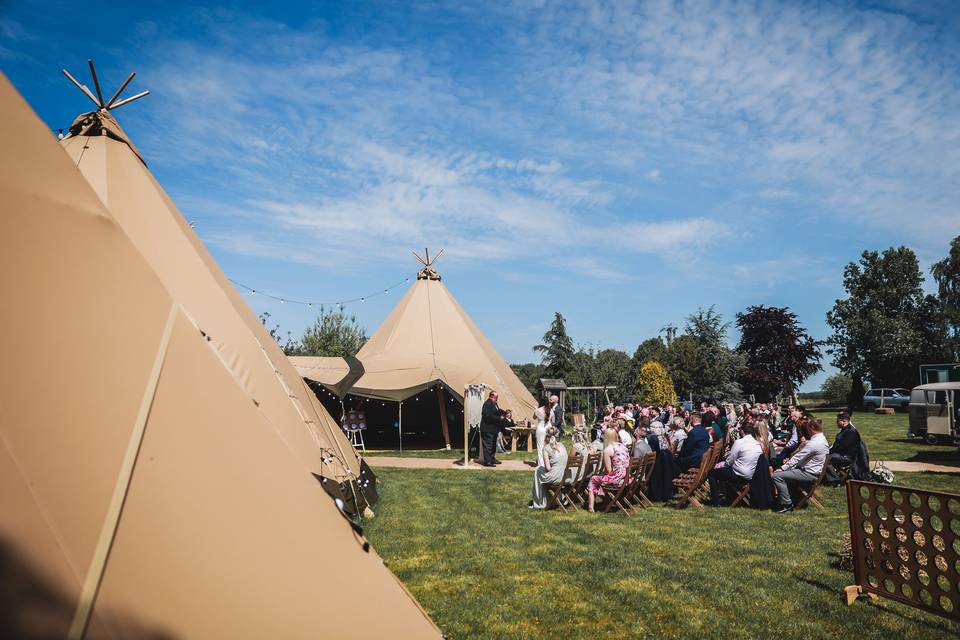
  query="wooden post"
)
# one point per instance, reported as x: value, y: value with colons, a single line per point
x: 443, y: 416
x: 466, y: 428
x: 400, y: 424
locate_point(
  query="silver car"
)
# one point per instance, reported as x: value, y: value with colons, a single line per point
x: 883, y: 397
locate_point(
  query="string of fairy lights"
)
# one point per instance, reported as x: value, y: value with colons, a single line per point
x: 339, y: 304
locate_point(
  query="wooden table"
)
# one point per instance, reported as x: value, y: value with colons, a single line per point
x: 518, y: 432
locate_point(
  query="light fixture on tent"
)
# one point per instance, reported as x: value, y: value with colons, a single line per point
x: 112, y: 103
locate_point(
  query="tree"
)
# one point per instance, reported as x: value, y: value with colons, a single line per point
x: 556, y: 350
x: 682, y: 360
x: 650, y: 349
x: 836, y: 388
x: 946, y: 273
x: 715, y: 374
x: 274, y: 332
x: 612, y: 367
x: 333, y: 334
x: 886, y: 326
x: 654, y: 385
x: 778, y: 352
x: 529, y: 374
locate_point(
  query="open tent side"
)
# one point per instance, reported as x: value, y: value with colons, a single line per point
x: 427, y: 343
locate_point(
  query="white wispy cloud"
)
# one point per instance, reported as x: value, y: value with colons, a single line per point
x: 383, y: 142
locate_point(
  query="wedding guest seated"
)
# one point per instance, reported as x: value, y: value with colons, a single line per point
x: 695, y: 444
x: 739, y: 465
x: 616, y: 459
x: 709, y: 422
x: 763, y: 435
x: 642, y: 446
x: 582, y: 447
x: 656, y: 436
x: 622, y: 432
x: 551, y: 467
x: 803, y: 467
x: 846, y: 447
x: 677, y: 433
x: 792, y: 443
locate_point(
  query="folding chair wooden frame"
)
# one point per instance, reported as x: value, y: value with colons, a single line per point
x: 578, y: 491
x: 693, y: 482
x: 743, y: 496
x: 557, y: 491
x: 616, y: 494
x: 641, y: 483
x: 813, y: 492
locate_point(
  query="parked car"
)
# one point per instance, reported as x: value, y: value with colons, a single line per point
x: 896, y: 398
x: 935, y: 413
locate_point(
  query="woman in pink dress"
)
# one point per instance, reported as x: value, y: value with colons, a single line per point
x: 616, y: 459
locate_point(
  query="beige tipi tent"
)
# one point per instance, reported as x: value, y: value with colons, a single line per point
x: 427, y: 339
x: 144, y: 493
x: 119, y: 176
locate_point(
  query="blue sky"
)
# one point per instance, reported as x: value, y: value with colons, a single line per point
x: 621, y: 163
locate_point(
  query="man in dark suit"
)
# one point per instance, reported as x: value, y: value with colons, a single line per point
x: 846, y: 447
x: 492, y: 422
x: 695, y: 445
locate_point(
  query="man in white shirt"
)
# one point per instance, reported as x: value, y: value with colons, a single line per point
x: 803, y: 467
x: 623, y: 433
x: 739, y: 465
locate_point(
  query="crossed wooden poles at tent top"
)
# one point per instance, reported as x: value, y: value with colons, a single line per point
x: 428, y: 272
x: 98, y: 100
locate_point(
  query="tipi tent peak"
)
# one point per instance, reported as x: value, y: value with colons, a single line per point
x: 427, y: 341
x: 106, y: 157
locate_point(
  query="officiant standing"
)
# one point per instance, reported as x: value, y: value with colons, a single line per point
x: 493, y: 420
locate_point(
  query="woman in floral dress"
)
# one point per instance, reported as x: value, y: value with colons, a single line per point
x: 616, y: 459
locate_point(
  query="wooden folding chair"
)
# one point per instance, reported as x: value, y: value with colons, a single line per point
x: 557, y: 491
x: 615, y: 493
x: 638, y: 495
x: 692, y: 483
x: 813, y: 492
x: 578, y: 491
x: 743, y: 496
x: 579, y: 420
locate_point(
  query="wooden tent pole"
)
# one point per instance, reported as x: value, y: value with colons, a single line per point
x: 466, y: 427
x: 443, y: 416
x: 400, y: 424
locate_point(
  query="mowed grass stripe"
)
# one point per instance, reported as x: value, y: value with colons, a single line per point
x: 486, y: 567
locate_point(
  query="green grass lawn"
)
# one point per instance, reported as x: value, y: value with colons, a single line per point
x: 886, y: 438
x: 485, y: 567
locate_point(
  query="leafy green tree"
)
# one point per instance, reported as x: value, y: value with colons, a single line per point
x: 333, y: 334
x: 836, y: 388
x: 683, y: 360
x: 650, y: 349
x: 529, y: 374
x: 556, y: 350
x: 716, y: 373
x: 613, y: 368
x: 778, y: 352
x: 886, y: 326
x: 654, y: 385
x: 946, y: 273
x: 274, y: 332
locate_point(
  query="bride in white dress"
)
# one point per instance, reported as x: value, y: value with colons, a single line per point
x: 540, y: 418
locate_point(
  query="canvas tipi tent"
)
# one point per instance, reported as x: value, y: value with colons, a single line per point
x: 144, y: 493
x: 428, y: 339
x: 114, y: 168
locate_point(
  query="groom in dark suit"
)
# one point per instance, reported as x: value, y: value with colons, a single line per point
x: 492, y: 422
